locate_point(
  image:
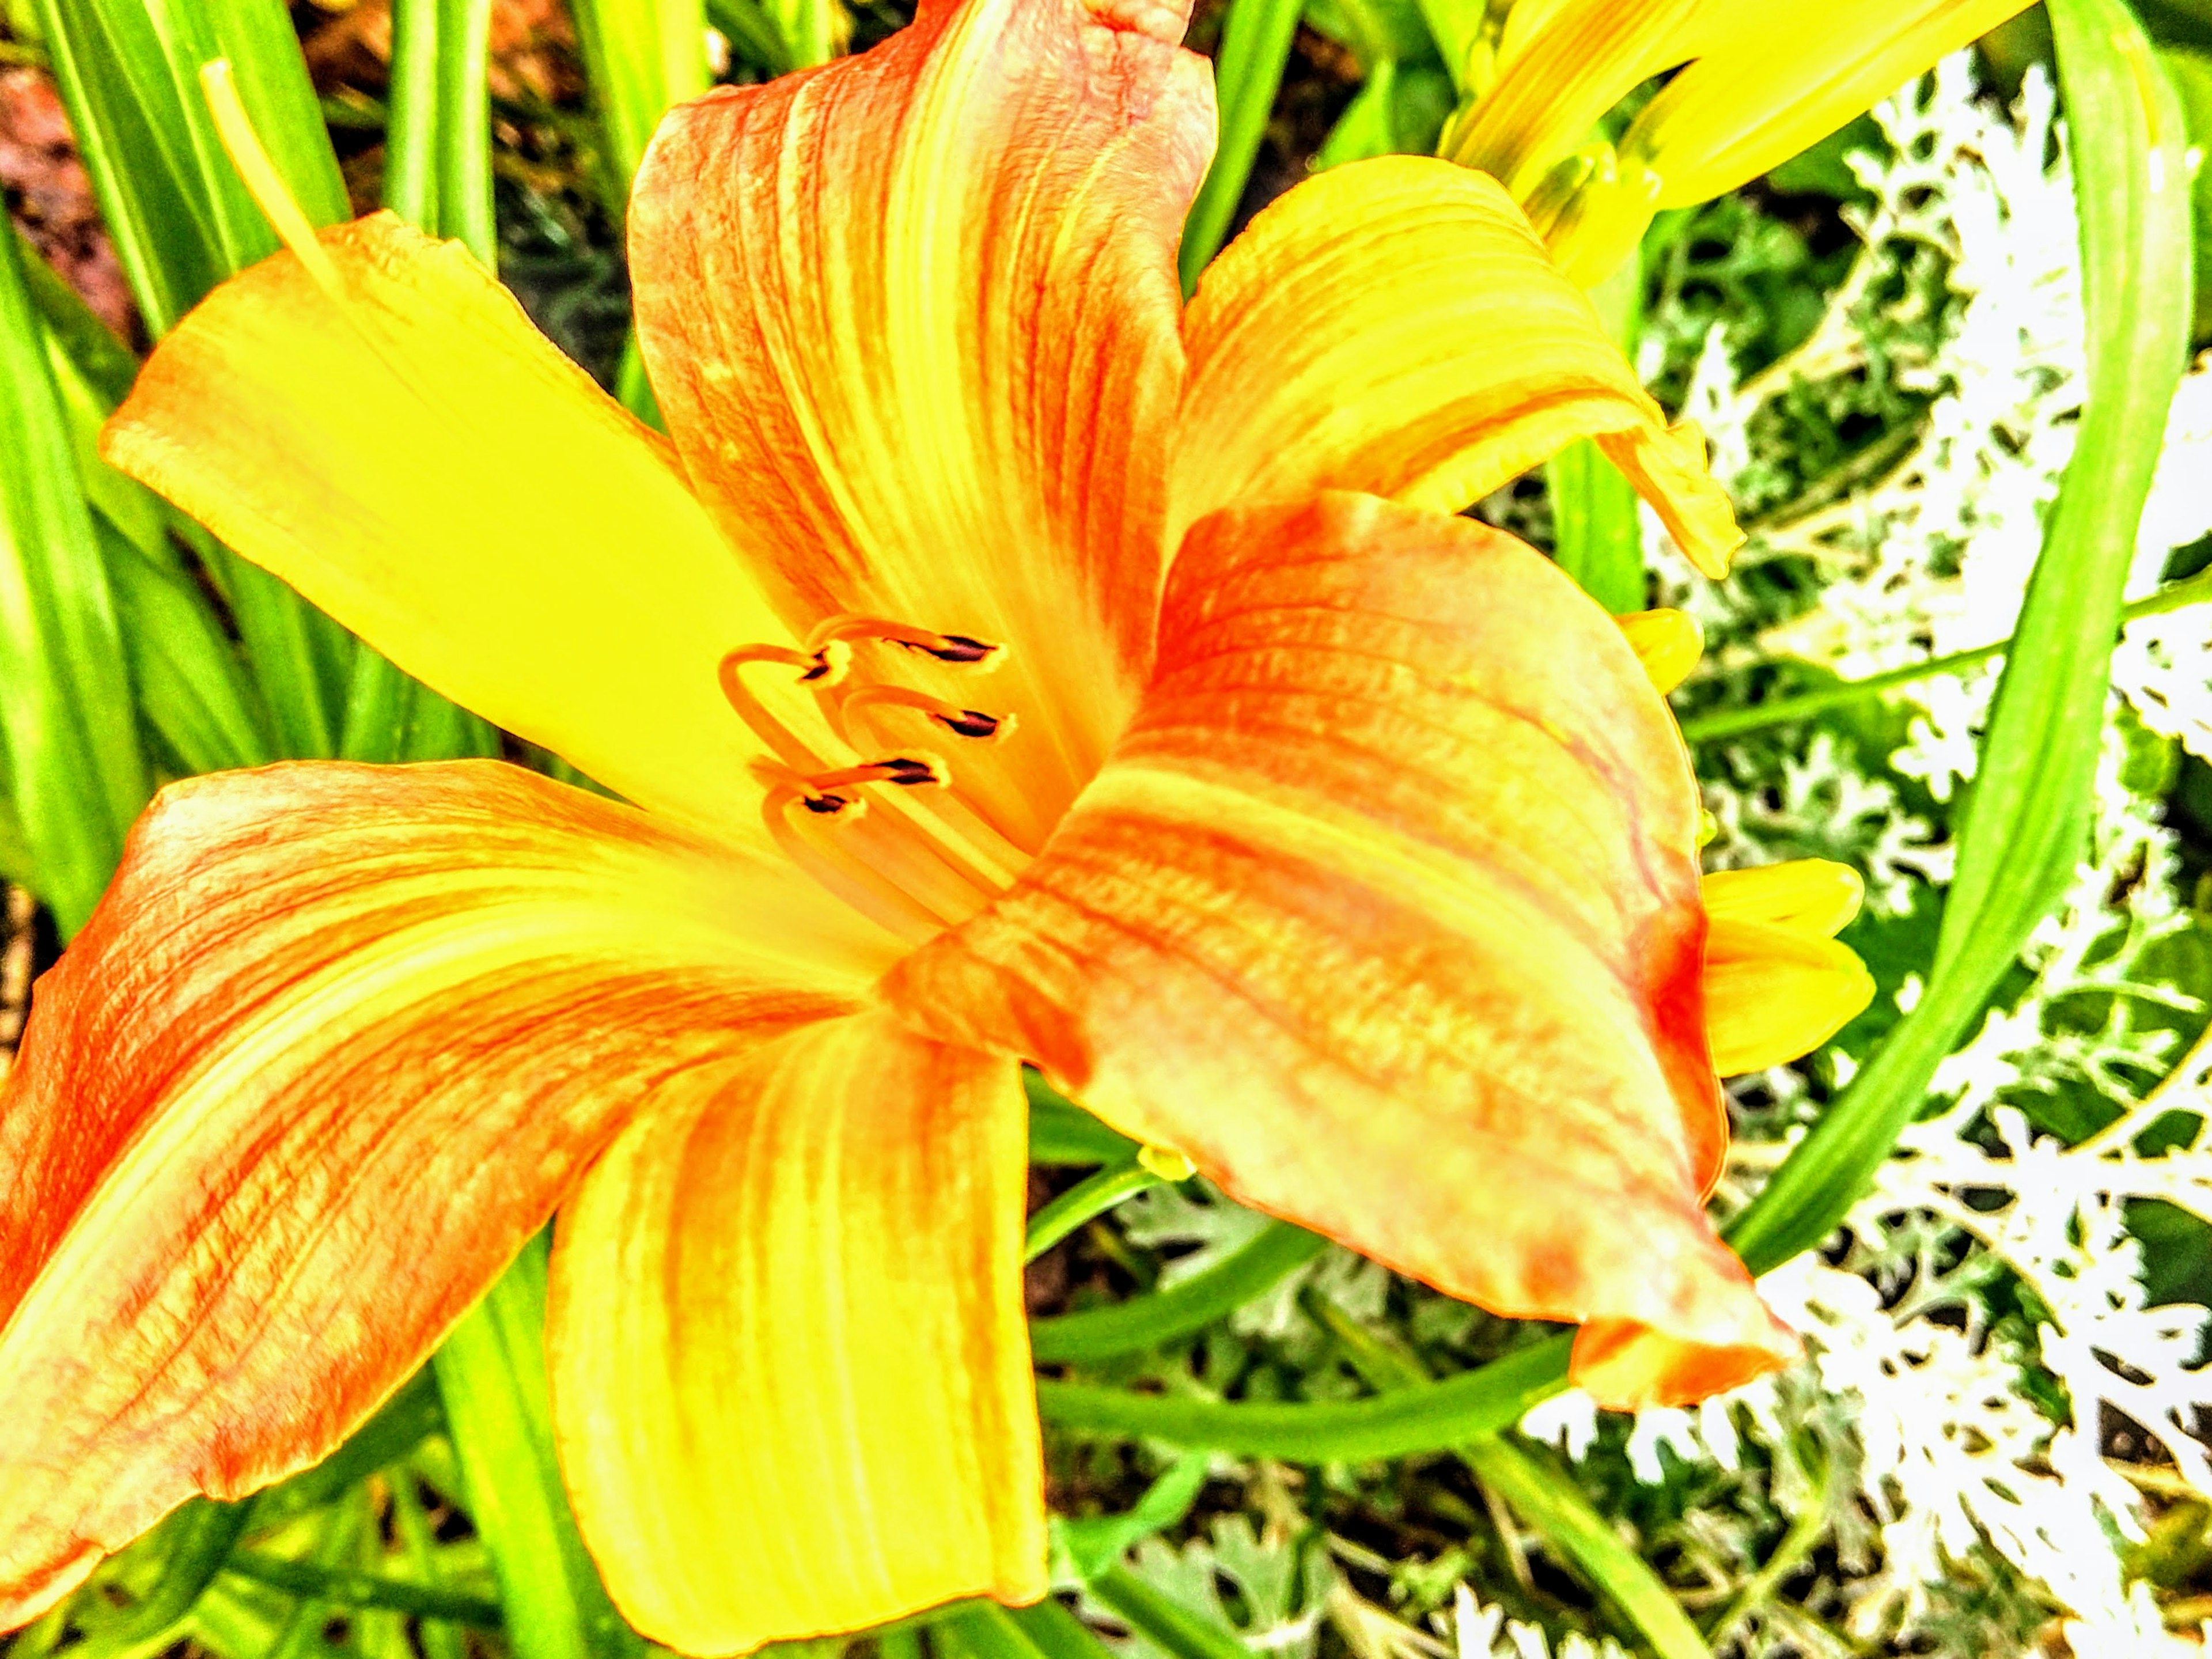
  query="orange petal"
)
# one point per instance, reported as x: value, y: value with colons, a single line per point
x: 1385, y: 912
x: 912, y: 319
x: 333, y: 1047
x: 790, y: 1378
x: 1394, y: 325
x: 408, y: 452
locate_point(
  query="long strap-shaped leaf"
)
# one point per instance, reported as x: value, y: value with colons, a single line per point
x: 181, y: 222
x: 2038, y: 768
x: 2028, y: 817
x: 1255, y: 45
x: 70, y: 745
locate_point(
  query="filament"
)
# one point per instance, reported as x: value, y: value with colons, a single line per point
x: 970, y: 723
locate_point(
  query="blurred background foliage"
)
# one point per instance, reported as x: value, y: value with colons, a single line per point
x: 1248, y: 1451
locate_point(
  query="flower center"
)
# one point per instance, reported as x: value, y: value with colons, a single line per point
x: 932, y: 856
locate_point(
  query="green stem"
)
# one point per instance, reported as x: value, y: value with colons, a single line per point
x: 1789, y: 1555
x: 463, y: 56
x: 410, y: 136
x: 343, y: 1587
x: 1081, y: 1202
x: 1557, y: 1508
x: 1734, y: 722
x: 1163, y: 1622
x: 1149, y: 1321
x: 1430, y: 1418
x: 1547, y: 1499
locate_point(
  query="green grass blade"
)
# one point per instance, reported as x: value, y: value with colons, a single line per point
x: 1548, y: 1498
x: 135, y: 138
x: 1149, y: 1322
x: 2038, y: 761
x: 1083, y: 1202
x: 411, y: 132
x: 346, y: 1587
x: 75, y: 770
x: 1433, y: 1417
x: 258, y: 38
x: 1597, y: 535
x: 1552, y: 1502
x: 753, y: 36
x: 809, y: 29
x: 1255, y: 44
x: 106, y: 364
x: 1734, y: 722
x: 491, y: 1372
x: 192, y: 688
x: 1368, y: 125
x: 464, y: 149
x: 16, y: 865
x: 181, y: 222
x: 2024, y: 826
x: 640, y: 57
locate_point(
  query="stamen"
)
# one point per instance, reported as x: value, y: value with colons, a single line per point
x: 908, y: 771
x: 960, y: 650
x: 260, y: 177
x: 972, y: 723
x: 816, y: 669
x: 850, y: 878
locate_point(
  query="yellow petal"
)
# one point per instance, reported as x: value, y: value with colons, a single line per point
x: 791, y: 1376
x: 1775, y: 992
x: 1811, y: 896
x: 912, y: 321
x: 426, y: 466
x: 1385, y: 913
x: 1666, y: 642
x: 1775, y: 79
x: 1395, y: 326
x: 1560, y: 68
x: 333, y: 1047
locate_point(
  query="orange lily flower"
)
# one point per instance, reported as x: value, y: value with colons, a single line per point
x: 1351, y: 851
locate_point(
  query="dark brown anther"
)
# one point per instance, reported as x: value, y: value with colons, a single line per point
x: 970, y: 723
x: 908, y: 773
x: 953, y: 648
x: 826, y: 805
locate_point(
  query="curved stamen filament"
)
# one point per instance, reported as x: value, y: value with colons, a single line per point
x: 818, y: 668
x: 959, y: 650
x: 934, y: 869
x: 971, y: 723
x: 850, y: 878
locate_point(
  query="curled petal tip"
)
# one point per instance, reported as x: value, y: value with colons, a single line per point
x: 1626, y: 1366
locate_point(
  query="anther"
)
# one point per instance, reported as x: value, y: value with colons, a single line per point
x: 972, y: 723
x: 907, y: 771
x: 822, y: 667
x: 960, y: 650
